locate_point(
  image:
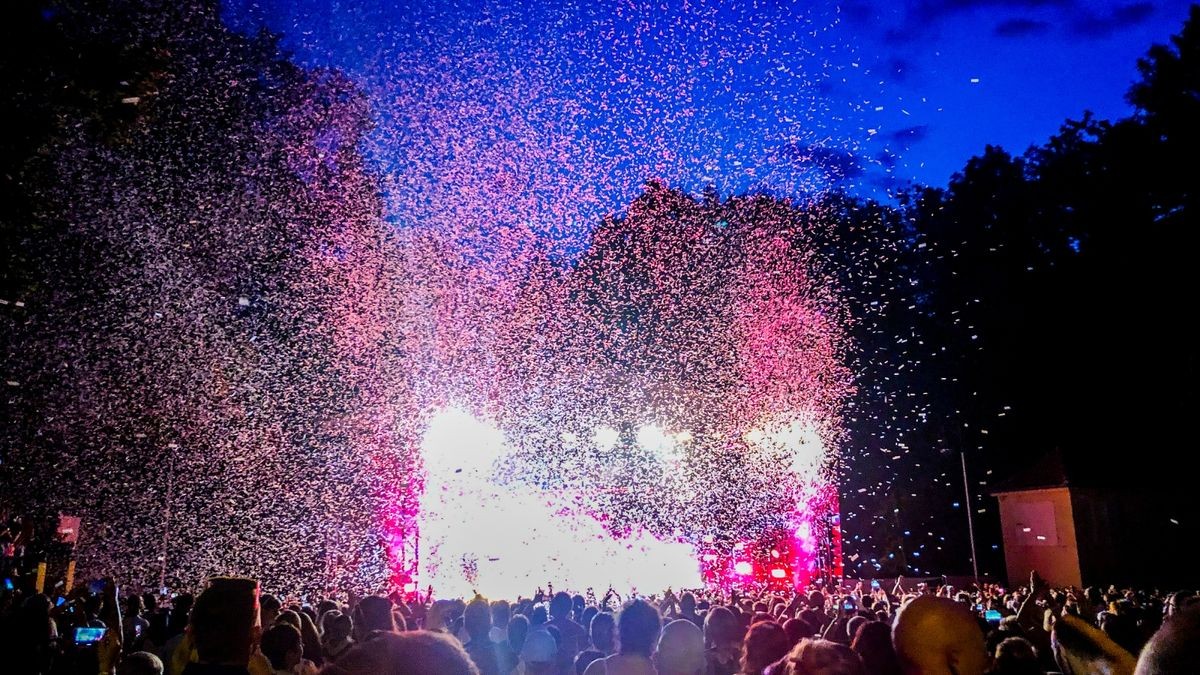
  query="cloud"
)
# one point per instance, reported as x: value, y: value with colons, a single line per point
x: 935, y: 10
x: 860, y: 12
x: 910, y: 135
x: 828, y: 86
x: 887, y: 183
x: 898, y: 36
x: 925, y: 15
x: 1018, y: 28
x: 1095, y: 25
x: 836, y: 163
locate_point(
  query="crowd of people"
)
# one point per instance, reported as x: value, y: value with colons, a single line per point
x: 230, y: 628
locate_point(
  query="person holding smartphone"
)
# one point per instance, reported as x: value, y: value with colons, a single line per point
x: 135, y: 625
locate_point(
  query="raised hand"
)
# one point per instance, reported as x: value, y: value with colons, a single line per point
x: 1037, y: 585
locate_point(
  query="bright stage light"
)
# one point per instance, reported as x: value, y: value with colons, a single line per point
x: 458, y: 442
x: 743, y: 568
x: 778, y: 573
x: 796, y: 441
x: 605, y: 438
x: 803, y: 441
x: 482, y: 533
x: 653, y: 439
x: 684, y: 437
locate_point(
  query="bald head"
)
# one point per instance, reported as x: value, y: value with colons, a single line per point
x: 680, y: 649
x: 1175, y: 648
x: 937, y: 636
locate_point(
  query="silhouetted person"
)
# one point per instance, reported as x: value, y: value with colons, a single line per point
x: 177, y: 621
x: 873, y: 644
x: 814, y: 613
x: 140, y: 663
x: 680, y: 649
x: 501, y: 615
x: 821, y: 657
x: 1122, y: 627
x: 283, y: 646
x: 336, y: 640
x: 133, y: 625
x: 765, y: 643
x: 638, y: 627
x: 585, y: 658
x: 33, y: 635
x: 269, y: 606
x: 1016, y: 656
x: 224, y: 627
x: 687, y: 610
x: 797, y: 630
x: 539, y: 655
x: 722, y: 637
x: 373, y: 613
x: 589, y: 613
x: 410, y: 653
x: 1175, y: 648
x: 487, y: 655
x: 518, y: 630
x: 572, y: 638
x: 1180, y: 601
x: 603, y: 633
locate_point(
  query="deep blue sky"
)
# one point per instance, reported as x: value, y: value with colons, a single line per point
x: 743, y: 95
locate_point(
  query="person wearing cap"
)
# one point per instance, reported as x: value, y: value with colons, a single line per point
x: 539, y: 654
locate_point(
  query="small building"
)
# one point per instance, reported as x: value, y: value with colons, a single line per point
x: 1079, y: 527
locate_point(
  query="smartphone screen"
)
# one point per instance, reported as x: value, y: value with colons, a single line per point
x: 88, y: 636
x: 992, y: 615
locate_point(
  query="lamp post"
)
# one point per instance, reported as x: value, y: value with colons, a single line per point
x: 970, y: 517
x: 166, y: 538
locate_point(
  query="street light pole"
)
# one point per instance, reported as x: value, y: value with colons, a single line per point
x: 166, y: 538
x: 970, y: 516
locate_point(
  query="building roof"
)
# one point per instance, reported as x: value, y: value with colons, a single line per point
x: 1054, y: 469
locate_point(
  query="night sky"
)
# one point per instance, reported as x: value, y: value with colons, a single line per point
x: 239, y: 300
x: 790, y: 99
